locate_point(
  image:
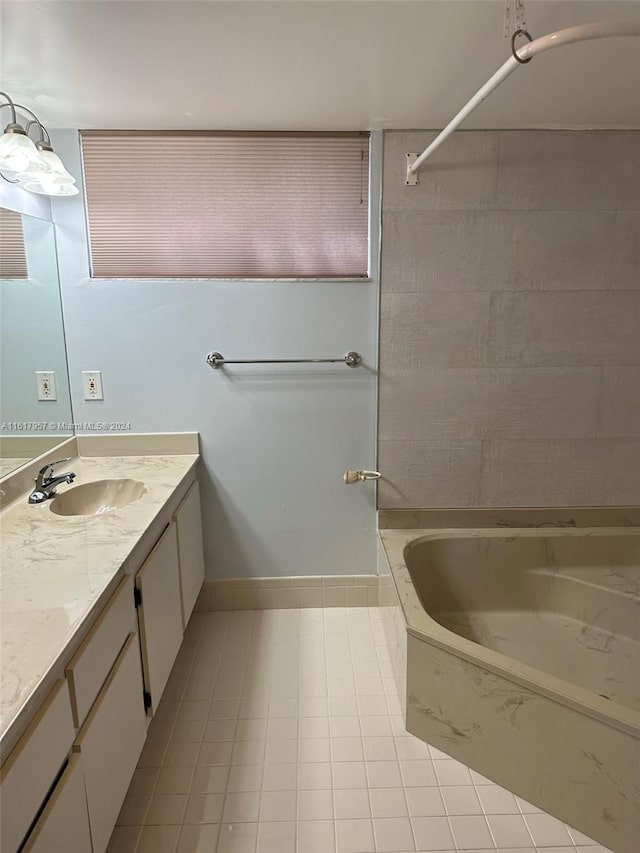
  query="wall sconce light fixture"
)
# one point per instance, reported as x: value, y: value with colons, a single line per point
x: 34, y: 166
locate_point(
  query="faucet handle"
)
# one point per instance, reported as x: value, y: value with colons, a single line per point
x: 49, y: 468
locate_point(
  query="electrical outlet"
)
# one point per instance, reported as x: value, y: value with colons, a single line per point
x: 92, y: 384
x: 46, y: 385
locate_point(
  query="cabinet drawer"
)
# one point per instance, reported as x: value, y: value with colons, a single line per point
x: 32, y: 766
x: 110, y: 743
x: 190, y: 553
x: 92, y: 663
x: 63, y: 826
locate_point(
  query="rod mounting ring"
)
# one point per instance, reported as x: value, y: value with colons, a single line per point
x: 527, y: 35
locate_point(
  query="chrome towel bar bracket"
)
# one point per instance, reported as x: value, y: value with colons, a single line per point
x: 351, y: 359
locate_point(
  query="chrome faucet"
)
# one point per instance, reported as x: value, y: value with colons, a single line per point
x: 46, y: 483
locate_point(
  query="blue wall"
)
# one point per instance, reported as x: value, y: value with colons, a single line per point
x: 274, y: 441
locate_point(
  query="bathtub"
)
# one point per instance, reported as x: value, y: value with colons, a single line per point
x: 519, y: 651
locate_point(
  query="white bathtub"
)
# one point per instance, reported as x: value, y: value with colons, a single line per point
x: 523, y: 661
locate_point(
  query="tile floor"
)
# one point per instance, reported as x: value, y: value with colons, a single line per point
x: 281, y: 731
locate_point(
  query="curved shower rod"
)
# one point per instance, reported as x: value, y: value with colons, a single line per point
x: 583, y: 32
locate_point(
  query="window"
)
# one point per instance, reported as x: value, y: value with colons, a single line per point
x: 254, y: 205
x: 13, y: 260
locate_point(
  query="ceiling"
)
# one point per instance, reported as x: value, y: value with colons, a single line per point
x: 309, y: 65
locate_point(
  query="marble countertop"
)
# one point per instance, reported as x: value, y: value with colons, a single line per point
x: 54, y: 569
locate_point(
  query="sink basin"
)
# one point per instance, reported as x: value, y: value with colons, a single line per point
x: 98, y: 497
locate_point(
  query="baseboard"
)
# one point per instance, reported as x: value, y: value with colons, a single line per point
x: 289, y: 592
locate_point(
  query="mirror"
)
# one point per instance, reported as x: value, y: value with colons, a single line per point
x: 33, y: 360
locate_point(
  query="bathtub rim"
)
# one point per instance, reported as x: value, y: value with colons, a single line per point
x: 423, y: 627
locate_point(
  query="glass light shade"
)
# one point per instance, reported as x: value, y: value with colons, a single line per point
x: 54, y: 169
x: 47, y: 185
x: 19, y: 154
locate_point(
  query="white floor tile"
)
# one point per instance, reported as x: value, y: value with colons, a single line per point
x: 158, y: 839
x: 418, y: 773
x: 388, y: 802
x: 432, y: 833
x: 277, y: 837
x: 496, y: 800
x: 280, y: 777
x: 315, y: 805
x: 352, y: 804
x: 452, y: 772
x: 315, y: 836
x: 174, y: 780
x: 547, y: 831
x: 470, y: 832
x: 354, y: 836
x: 210, y: 779
x: 347, y: 749
x: 282, y: 731
x: 383, y: 774
x: 393, y: 834
x: 379, y: 749
x: 314, y: 750
x: 509, y: 831
x: 166, y: 809
x: 314, y: 776
x: 198, y: 839
x: 245, y: 777
x: 204, y: 808
x: 461, y: 800
x: 241, y: 807
x: 237, y: 838
x: 313, y: 727
x: 424, y: 802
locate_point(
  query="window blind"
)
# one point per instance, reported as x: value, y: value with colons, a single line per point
x: 13, y: 260
x: 276, y: 205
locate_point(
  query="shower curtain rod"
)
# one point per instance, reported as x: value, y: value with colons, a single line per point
x: 583, y: 32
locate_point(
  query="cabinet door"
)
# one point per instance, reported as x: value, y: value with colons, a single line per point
x: 110, y: 743
x: 191, y: 555
x: 63, y: 826
x: 31, y: 768
x: 160, y: 613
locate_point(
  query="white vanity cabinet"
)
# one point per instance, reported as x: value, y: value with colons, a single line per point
x: 33, y: 765
x: 190, y: 551
x: 159, y: 613
x: 63, y: 783
x: 63, y: 826
x: 111, y: 741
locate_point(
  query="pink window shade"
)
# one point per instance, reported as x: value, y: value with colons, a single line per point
x: 276, y: 205
x: 13, y: 260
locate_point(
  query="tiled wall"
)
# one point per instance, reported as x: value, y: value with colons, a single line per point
x: 510, y: 321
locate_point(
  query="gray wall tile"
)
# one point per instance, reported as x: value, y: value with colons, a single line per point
x: 437, y: 473
x: 514, y: 250
x: 434, y: 329
x: 572, y: 328
x: 589, y: 472
x: 619, y: 408
x: 484, y: 403
x: 569, y: 170
x: 547, y: 225
x: 462, y: 175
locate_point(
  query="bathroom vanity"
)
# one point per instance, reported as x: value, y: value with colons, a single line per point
x: 93, y: 612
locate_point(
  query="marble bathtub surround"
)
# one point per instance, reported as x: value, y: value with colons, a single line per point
x: 468, y: 600
x: 57, y: 572
x: 510, y: 308
x: 441, y: 519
